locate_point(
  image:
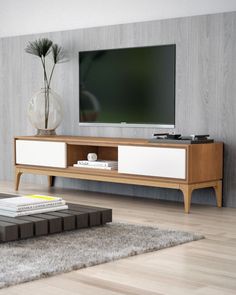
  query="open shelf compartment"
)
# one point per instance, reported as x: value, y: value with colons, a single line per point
x: 79, y: 152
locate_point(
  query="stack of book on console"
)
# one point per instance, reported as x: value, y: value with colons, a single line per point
x: 30, y: 204
x: 98, y: 164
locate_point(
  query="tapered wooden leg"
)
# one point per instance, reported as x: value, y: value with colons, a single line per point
x: 17, y: 179
x: 50, y: 180
x: 187, y: 192
x: 218, y: 192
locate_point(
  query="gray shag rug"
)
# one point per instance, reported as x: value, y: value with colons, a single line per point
x: 35, y: 258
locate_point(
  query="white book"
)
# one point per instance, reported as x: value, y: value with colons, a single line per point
x: 102, y: 163
x: 94, y: 167
x: 21, y: 201
x: 32, y: 207
x: 31, y: 212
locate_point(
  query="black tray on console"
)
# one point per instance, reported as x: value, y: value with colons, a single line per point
x: 180, y: 141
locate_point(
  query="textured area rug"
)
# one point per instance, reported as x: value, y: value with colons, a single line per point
x: 31, y: 259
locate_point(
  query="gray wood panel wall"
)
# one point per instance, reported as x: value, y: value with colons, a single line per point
x: 205, y: 91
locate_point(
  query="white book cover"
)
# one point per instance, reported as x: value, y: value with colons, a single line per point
x: 33, y: 206
x: 21, y: 201
x: 102, y: 163
x: 94, y: 167
x: 31, y: 212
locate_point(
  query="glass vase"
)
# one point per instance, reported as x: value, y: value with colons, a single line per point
x: 45, y: 111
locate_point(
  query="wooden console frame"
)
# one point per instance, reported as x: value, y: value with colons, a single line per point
x: 204, y: 164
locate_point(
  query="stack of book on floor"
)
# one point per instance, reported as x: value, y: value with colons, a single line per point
x: 98, y: 164
x: 30, y: 204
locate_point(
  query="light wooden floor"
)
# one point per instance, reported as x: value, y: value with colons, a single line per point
x: 204, y: 267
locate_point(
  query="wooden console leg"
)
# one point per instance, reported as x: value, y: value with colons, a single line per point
x: 187, y: 192
x: 218, y: 192
x: 17, y: 179
x: 50, y: 180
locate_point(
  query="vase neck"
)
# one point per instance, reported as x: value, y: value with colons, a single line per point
x: 45, y: 88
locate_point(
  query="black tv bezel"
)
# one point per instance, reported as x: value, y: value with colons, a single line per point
x: 124, y: 124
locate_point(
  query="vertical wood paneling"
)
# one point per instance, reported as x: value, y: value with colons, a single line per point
x: 205, y: 90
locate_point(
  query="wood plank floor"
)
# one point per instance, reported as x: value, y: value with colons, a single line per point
x: 204, y: 267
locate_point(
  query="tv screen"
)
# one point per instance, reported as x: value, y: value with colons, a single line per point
x: 128, y: 85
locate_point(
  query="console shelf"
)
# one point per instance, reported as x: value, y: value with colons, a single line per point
x: 178, y: 166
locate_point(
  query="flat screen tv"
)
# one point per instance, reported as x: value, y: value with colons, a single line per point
x: 128, y: 86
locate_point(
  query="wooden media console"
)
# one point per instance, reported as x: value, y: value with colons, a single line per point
x: 178, y: 166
